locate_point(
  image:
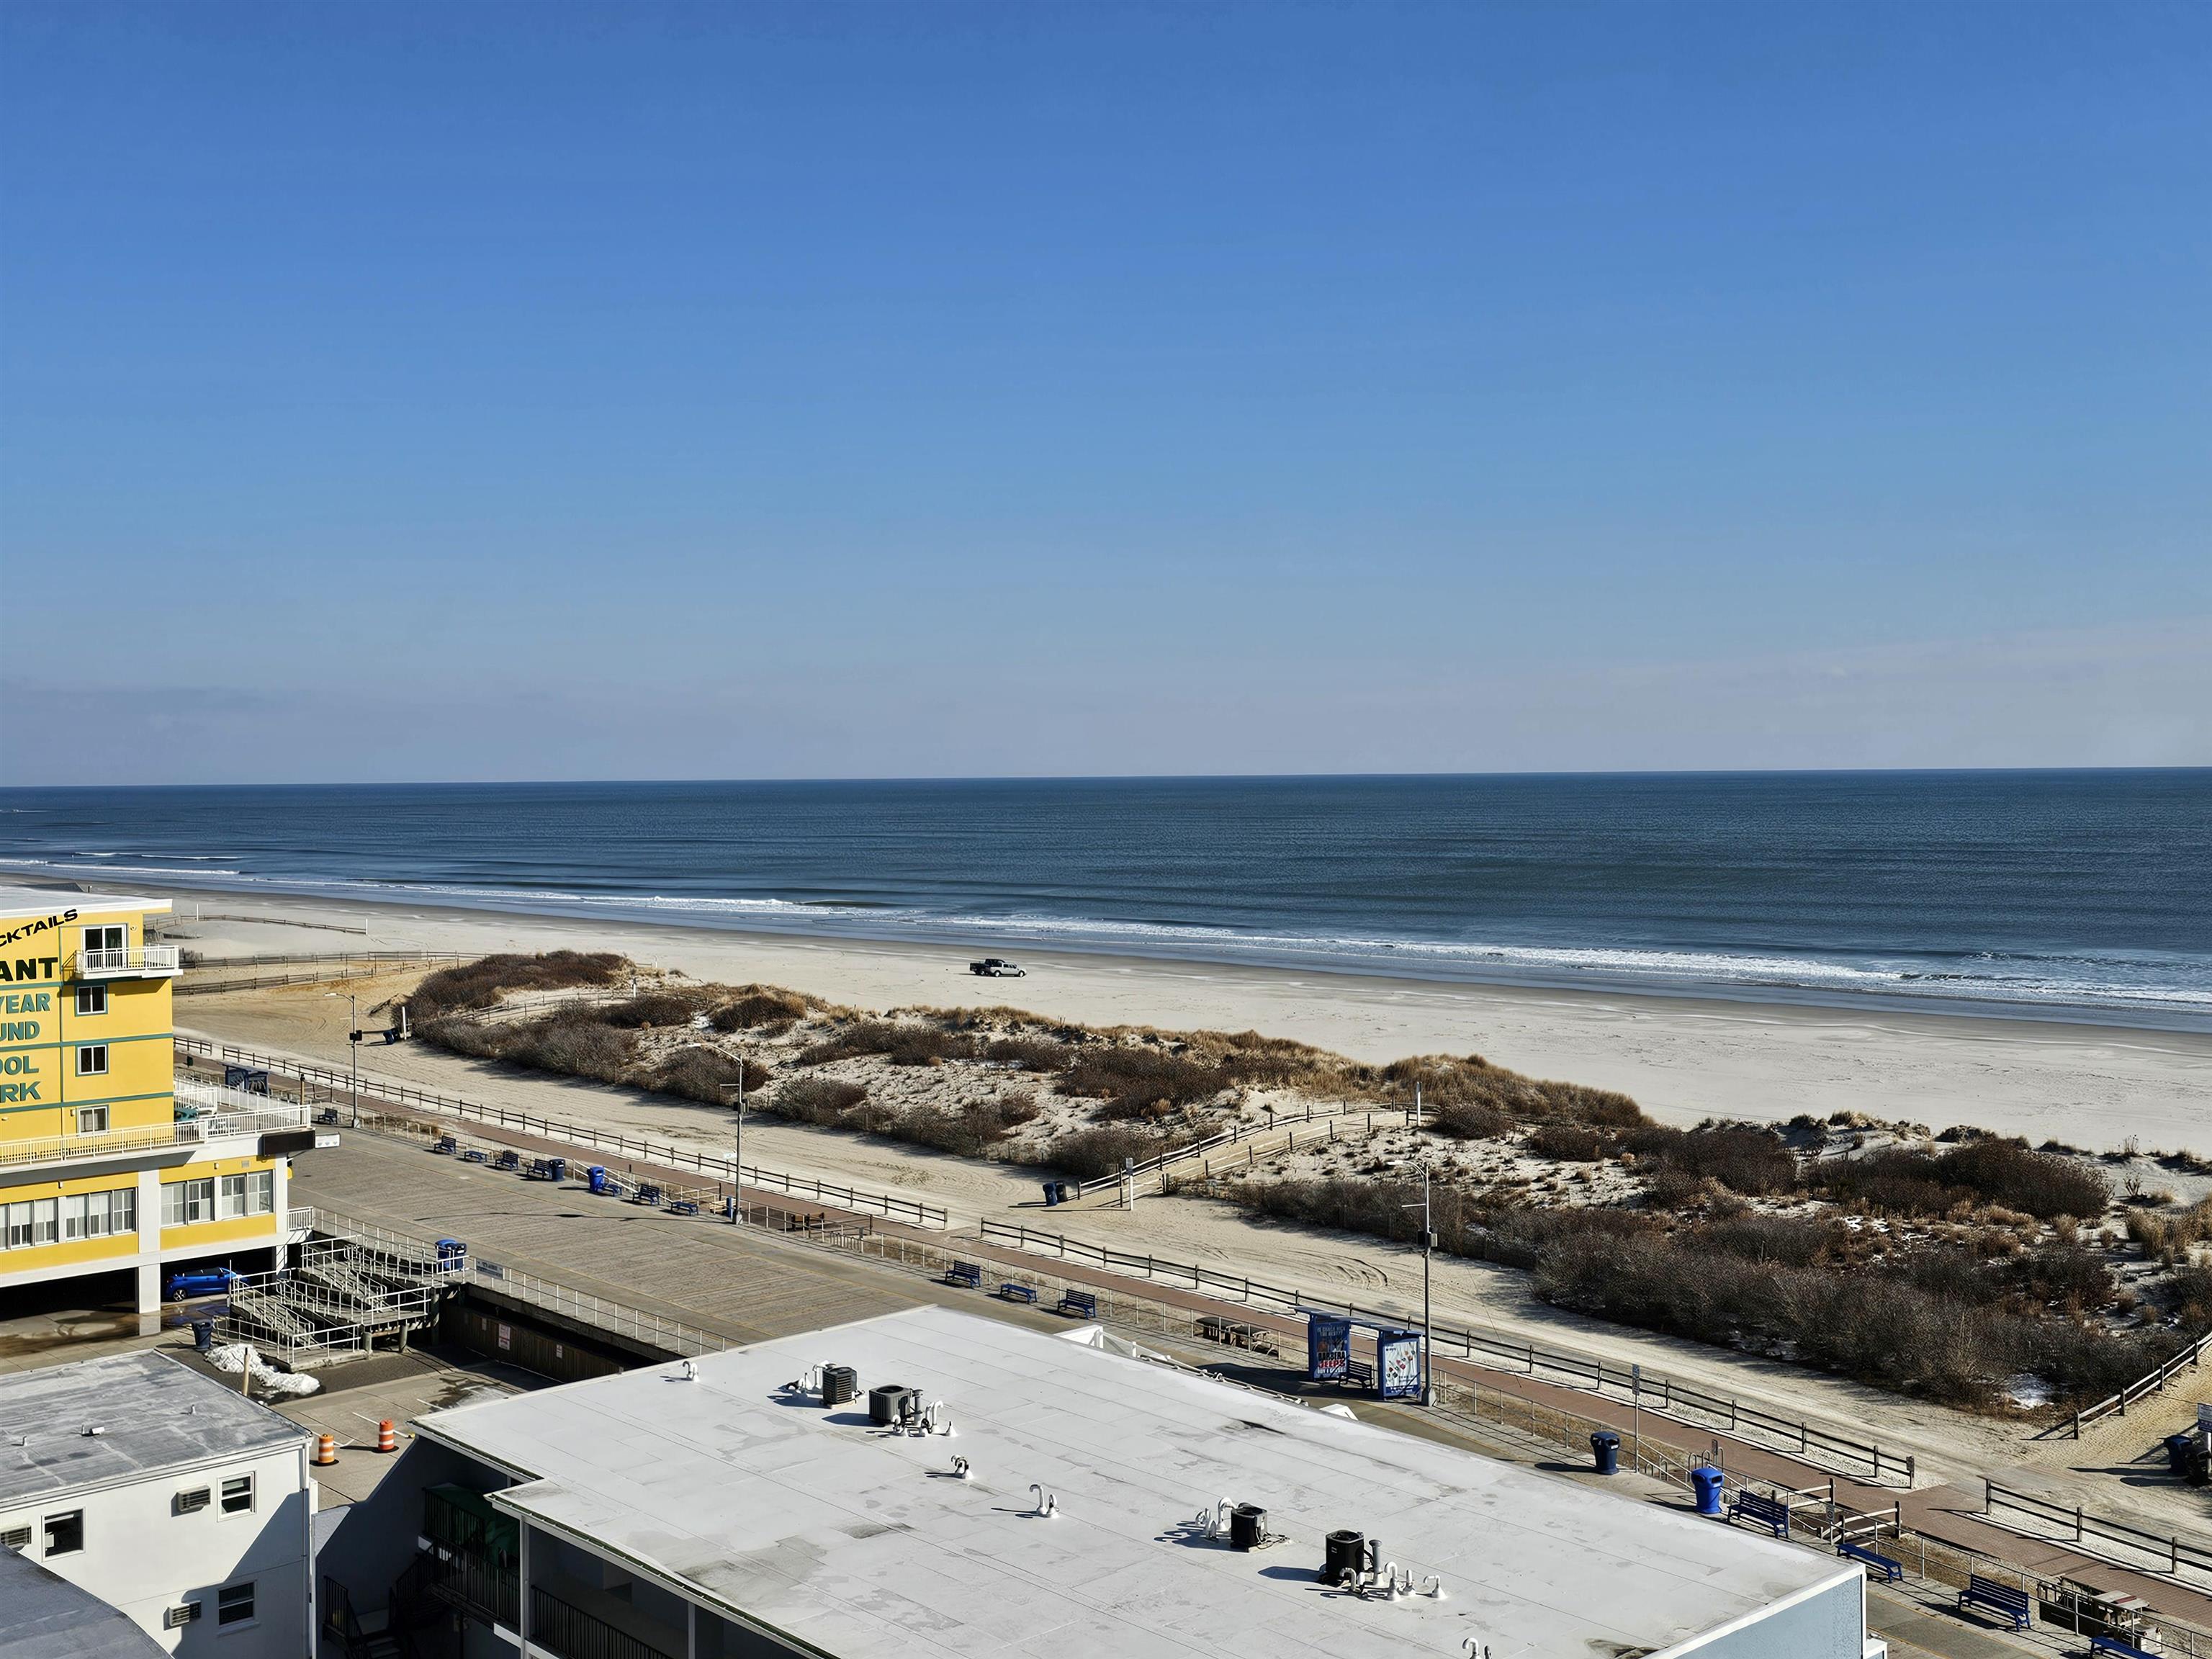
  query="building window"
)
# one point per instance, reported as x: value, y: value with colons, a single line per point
x: 92, y: 1120
x: 234, y: 1604
x: 65, y: 1532
x: 46, y: 1220
x: 238, y: 1494
x: 91, y: 999
x: 184, y: 1203
x: 106, y: 938
x: 92, y: 1059
x: 95, y: 1215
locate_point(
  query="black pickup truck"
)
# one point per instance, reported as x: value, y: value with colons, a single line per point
x: 996, y: 967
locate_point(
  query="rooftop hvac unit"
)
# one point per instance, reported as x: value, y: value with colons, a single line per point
x: 176, y: 1618
x: 839, y: 1384
x: 884, y: 1401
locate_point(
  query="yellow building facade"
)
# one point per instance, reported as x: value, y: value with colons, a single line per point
x: 107, y: 1166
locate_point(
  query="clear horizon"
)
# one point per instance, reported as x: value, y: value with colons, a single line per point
x: 601, y: 393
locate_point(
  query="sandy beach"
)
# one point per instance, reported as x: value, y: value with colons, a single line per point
x: 1683, y: 1060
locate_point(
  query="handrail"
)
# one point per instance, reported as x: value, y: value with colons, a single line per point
x: 1235, y: 1134
x: 2150, y: 1383
x: 229, y: 1114
x: 671, y: 1334
x: 576, y: 1134
x: 1652, y: 1391
x: 133, y: 959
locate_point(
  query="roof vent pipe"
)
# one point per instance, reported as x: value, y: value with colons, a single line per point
x: 959, y: 1469
x: 1048, y: 1503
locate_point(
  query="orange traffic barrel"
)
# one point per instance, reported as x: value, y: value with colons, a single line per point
x: 386, y: 1439
x: 326, y: 1450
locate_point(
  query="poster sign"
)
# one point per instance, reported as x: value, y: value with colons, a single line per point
x: 1329, y: 1347
x: 1397, y: 1365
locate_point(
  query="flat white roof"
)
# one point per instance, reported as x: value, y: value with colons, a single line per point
x: 151, y: 1413
x: 18, y: 901
x: 860, y: 1542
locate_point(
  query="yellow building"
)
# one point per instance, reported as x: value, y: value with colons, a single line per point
x: 107, y: 1165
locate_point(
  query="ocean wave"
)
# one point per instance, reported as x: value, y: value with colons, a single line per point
x: 2101, y: 980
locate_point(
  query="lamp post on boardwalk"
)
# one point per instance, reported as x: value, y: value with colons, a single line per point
x: 737, y: 1166
x: 1428, y: 1245
x: 353, y: 1040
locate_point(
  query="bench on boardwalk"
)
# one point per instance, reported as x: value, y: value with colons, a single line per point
x: 1891, y: 1570
x: 2004, y: 1601
x: 1084, y: 1304
x: 476, y: 1155
x: 646, y: 1194
x: 446, y: 1144
x: 682, y: 1206
x: 1768, y: 1512
x: 2116, y: 1648
x: 964, y: 1273
x: 1357, y: 1373
x: 510, y: 1160
x: 1014, y: 1292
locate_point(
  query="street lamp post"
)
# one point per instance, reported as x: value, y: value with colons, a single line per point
x: 353, y: 1043
x: 737, y: 1166
x: 1428, y: 1245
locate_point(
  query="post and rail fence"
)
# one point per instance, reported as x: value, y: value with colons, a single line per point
x: 2151, y: 1382
x: 715, y: 1166
x: 2088, y: 1529
x: 1883, y: 1466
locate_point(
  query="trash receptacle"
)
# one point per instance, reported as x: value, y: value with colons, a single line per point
x: 204, y: 1335
x: 1051, y: 1193
x: 556, y: 1168
x: 597, y: 1174
x: 1706, y: 1483
x: 2197, y: 1470
x: 1605, y: 1452
x: 1059, y: 1192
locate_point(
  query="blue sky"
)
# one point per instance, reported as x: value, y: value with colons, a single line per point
x: 541, y: 391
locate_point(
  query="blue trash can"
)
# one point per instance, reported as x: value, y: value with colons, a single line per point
x: 1051, y: 1193
x: 597, y: 1174
x: 2177, y: 1452
x: 556, y: 1168
x: 1605, y: 1452
x: 1706, y: 1483
x: 204, y: 1335
x: 1059, y: 1192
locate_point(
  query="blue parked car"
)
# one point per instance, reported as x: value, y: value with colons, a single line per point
x: 195, y: 1282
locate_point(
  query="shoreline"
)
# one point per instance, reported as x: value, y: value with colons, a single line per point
x: 842, y: 921
x: 1682, y: 1058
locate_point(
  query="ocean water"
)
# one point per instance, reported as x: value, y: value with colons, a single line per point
x: 2058, y: 894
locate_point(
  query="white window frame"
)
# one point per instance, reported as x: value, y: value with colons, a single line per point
x: 244, y: 1621
x: 97, y: 938
x: 230, y: 1197
x: 248, y: 1491
x: 179, y: 1199
x: 91, y: 1001
x: 47, y: 1534
x: 15, y: 1225
x: 46, y: 1221
x: 92, y: 1059
x: 92, y: 1120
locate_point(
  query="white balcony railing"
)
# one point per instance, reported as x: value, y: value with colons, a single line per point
x: 210, y: 1114
x: 139, y: 962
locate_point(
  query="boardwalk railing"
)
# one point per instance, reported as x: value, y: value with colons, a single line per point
x: 339, y: 1084
x: 2088, y: 1530
x: 1865, y: 1458
x: 670, y: 1335
x: 2142, y: 1388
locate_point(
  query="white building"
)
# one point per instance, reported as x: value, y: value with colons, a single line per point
x: 169, y: 1496
x: 715, y: 1508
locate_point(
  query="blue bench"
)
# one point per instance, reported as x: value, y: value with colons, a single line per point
x: 446, y: 1144
x: 2004, y: 1601
x: 1082, y: 1303
x: 510, y: 1160
x: 964, y: 1273
x: 1014, y: 1292
x: 2116, y: 1648
x: 647, y: 1194
x: 682, y: 1206
x: 1768, y: 1512
x: 476, y: 1155
x: 1357, y: 1373
x: 1891, y: 1571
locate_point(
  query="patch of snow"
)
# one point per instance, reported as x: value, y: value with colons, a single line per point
x: 2028, y: 1393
